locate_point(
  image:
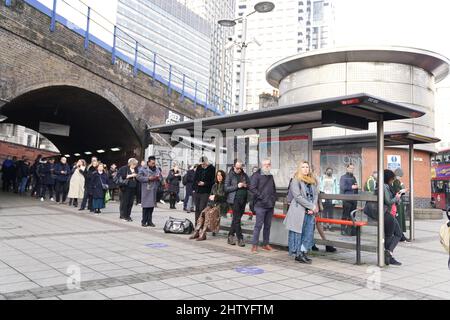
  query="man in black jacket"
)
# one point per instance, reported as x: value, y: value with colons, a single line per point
x: 203, y: 182
x: 263, y: 189
x: 236, y: 186
x: 88, y: 184
x: 348, y: 185
x: 47, y: 174
x: 62, y: 173
x: 188, y: 182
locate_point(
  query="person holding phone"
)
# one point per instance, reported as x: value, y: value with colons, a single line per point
x: 348, y: 185
x: 399, y: 187
x: 392, y: 231
x: 76, y: 184
x: 237, y: 185
x: 128, y: 174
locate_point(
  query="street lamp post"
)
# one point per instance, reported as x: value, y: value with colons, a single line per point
x: 261, y: 7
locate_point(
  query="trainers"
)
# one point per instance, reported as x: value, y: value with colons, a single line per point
x: 314, y: 248
x: 52, y: 200
x: 241, y: 243
x: 162, y: 201
x: 394, y: 262
x: 254, y: 249
x: 267, y: 248
x: 42, y: 199
x: 231, y: 240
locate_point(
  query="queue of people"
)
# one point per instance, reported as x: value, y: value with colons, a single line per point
x: 211, y: 194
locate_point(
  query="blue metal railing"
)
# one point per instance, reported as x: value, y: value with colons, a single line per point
x: 131, y: 51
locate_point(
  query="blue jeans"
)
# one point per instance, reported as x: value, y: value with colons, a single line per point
x: 302, y: 242
x: 23, y: 184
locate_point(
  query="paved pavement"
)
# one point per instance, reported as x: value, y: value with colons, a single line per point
x: 45, y: 248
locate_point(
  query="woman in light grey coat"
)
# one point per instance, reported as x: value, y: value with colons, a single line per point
x: 300, y: 218
x: 149, y: 177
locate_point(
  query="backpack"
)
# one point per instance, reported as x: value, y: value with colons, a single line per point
x: 185, y: 179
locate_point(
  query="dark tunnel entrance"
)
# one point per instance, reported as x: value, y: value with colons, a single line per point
x: 96, y: 126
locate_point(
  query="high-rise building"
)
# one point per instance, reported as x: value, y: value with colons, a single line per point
x: 179, y: 37
x: 184, y: 34
x: 292, y: 27
x: 221, y: 59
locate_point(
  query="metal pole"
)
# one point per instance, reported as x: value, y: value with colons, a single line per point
x: 222, y: 76
x: 380, y: 157
x: 86, y: 37
x: 136, y: 51
x: 169, y: 90
x: 154, y: 66
x: 113, y: 60
x: 195, y: 95
x: 53, y: 23
x: 184, y: 85
x: 242, y: 93
x: 411, y: 192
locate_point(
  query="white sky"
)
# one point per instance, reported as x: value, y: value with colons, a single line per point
x: 413, y: 23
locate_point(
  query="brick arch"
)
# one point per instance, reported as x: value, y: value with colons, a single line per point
x: 94, y: 114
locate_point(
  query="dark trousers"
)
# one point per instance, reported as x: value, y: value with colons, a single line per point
x: 238, y: 210
x: 392, y: 232
x: 328, y: 208
x: 173, y: 199
x: 186, y: 200
x: 36, y: 186
x: 113, y: 192
x: 138, y: 193
x: 87, y: 199
x: 61, y: 190
x: 7, y: 183
x: 147, y: 214
x: 348, y: 207
x: 126, y: 202
x: 201, y: 201
x: 44, y: 188
x: 263, y: 221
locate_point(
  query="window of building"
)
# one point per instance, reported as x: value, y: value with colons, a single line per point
x: 242, y: 6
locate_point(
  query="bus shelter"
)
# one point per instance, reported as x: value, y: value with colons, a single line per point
x: 391, y: 139
x: 284, y: 135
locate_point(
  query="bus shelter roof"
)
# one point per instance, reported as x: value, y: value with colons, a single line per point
x: 351, y: 112
x: 397, y: 138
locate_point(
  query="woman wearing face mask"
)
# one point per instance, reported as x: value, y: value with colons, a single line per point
x: 300, y: 219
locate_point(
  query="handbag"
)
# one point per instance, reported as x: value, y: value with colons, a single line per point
x: 105, y: 187
x: 178, y: 226
x: 394, y: 210
x: 120, y: 181
x: 107, y: 197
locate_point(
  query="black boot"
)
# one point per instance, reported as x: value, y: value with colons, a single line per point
x: 306, y: 257
x: 314, y: 248
x: 330, y: 249
x: 301, y: 258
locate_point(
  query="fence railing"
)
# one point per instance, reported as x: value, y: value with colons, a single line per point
x: 128, y: 49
